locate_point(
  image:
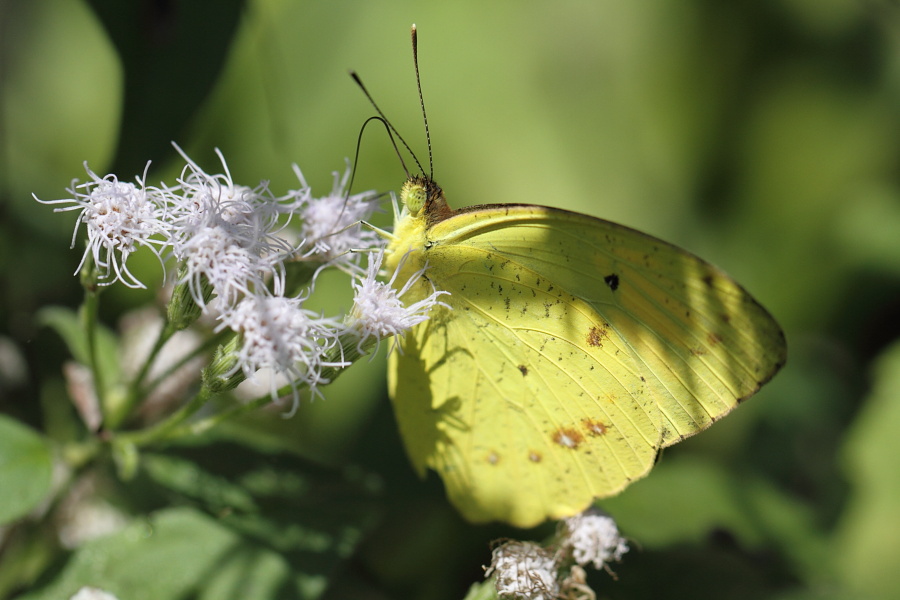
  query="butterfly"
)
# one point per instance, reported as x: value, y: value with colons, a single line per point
x: 567, y: 353
x: 570, y: 351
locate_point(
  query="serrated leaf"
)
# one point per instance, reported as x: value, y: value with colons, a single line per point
x: 25, y: 469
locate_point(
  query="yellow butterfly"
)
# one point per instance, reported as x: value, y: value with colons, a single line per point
x: 571, y: 350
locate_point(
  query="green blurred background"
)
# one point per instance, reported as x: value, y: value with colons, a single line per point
x: 762, y: 135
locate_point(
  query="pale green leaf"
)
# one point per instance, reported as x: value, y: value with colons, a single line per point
x: 165, y: 557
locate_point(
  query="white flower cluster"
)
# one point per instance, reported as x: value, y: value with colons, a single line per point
x: 527, y: 570
x: 232, y: 244
x: 593, y: 539
x: 119, y: 217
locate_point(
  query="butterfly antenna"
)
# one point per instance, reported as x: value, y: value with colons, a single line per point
x: 415, y: 47
x: 388, y: 128
x: 356, y: 163
x: 385, y: 120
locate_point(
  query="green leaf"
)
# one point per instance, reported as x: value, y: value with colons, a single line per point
x: 164, y: 557
x: 686, y: 481
x: 189, y: 480
x: 297, y: 521
x: 25, y: 469
x: 867, y: 542
x: 250, y: 572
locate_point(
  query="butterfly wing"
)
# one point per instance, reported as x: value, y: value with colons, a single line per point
x: 573, y: 350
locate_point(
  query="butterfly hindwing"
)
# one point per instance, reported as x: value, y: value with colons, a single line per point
x: 517, y: 433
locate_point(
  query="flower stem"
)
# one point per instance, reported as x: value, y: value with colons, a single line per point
x: 175, y: 426
x: 164, y: 431
x: 88, y: 313
x: 116, y: 417
x: 200, y: 349
x: 350, y: 350
x: 165, y: 333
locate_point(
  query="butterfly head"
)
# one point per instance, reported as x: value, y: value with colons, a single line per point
x: 424, y: 205
x: 422, y: 196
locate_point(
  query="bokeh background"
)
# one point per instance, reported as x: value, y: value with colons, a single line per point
x: 762, y: 135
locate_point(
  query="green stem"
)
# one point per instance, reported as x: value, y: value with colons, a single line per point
x: 175, y: 426
x: 115, y: 418
x: 208, y: 423
x: 164, y: 335
x: 202, y: 348
x: 163, y: 431
x: 351, y: 353
x: 89, y: 320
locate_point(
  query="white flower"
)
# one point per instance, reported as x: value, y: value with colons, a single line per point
x: 120, y: 217
x: 331, y: 225
x: 593, y: 539
x: 226, y: 233
x: 278, y: 333
x: 524, y: 570
x: 232, y: 270
x: 204, y: 199
x: 378, y: 310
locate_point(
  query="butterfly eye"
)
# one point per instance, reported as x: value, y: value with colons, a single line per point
x: 413, y: 196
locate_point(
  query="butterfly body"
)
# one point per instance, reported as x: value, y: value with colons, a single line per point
x: 571, y: 350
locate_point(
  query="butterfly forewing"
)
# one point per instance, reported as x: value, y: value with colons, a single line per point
x: 705, y: 339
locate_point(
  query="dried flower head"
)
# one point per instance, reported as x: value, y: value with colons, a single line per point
x: 524, y: 570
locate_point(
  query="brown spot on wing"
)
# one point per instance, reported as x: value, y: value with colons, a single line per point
x: 596, y: 334
x: 567, y: 437
x: 594, y: 427
x: 713, y: 339
x: 524, y: 370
